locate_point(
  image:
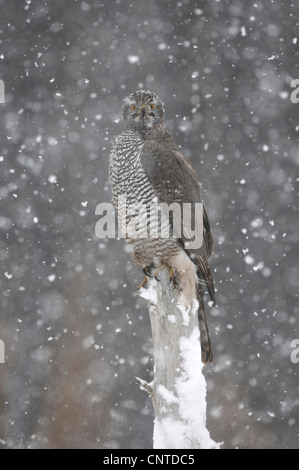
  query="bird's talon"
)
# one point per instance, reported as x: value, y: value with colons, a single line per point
x: 160, y: 269
x: 142, y: 284
x: 147, y: 271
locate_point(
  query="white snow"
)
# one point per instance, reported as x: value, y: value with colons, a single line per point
x: 190, y: 394
x: 52, y: 179
x: 163, y: 439
x: 185, y: 313
x: 162, y: 46
x: 284, y: 95
x: 150, y: 292
x: 249, y: 259
x: 133, y: 59
x: 171, y: 318
x: 88, y: 342
x: 243, y: 31
x: 168, y: 396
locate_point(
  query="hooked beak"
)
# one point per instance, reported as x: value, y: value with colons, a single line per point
x: 143, y: 110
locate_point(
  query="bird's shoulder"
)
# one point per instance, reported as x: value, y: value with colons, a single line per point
x: 173, y: 177
x: 159, y: 152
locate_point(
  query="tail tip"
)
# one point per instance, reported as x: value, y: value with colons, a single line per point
x: 207, y: 357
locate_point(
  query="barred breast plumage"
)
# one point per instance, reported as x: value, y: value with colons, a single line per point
x: 132, y: 189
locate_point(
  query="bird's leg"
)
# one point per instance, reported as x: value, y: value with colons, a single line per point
x: 142, y: 284
x: 147, y: 272
x: 156, y: 272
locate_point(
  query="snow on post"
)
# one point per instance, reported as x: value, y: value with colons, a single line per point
x: 178, y: 389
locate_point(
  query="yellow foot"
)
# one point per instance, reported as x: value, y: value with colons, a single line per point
x: 147, y: 272
x: 156, y: 272
x: 143, y: 283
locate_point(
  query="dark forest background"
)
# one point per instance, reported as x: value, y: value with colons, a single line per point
x: 75, y: 331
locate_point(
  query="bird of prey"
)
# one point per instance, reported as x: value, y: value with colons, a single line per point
x: 146, y: 166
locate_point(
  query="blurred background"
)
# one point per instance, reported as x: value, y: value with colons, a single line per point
x: 76, y: 333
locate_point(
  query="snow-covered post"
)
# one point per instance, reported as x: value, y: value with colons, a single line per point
x: 178, y: 389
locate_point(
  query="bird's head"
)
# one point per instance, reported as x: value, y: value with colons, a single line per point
x: 142, y: 111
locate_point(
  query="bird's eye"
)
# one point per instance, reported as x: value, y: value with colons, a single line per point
x: 133, y: 107
x: 152, y: 106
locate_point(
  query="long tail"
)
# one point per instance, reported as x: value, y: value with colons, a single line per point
x: 206, y: 348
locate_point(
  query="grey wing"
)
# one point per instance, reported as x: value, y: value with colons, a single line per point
x: 174, y: 180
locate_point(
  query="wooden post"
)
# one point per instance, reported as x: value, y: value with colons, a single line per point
x: 178, y: 389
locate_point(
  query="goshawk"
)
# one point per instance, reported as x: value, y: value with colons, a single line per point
x: 146, y: 168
